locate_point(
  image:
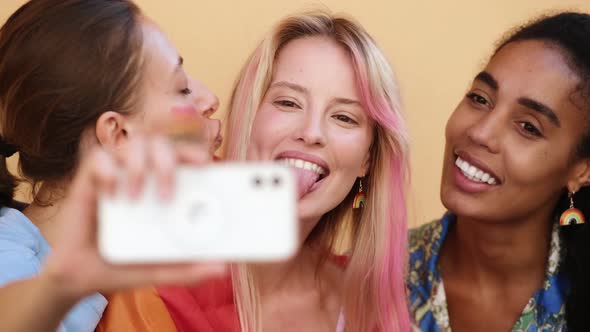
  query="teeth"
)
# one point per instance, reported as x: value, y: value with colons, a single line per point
x: 298, y: 163
x: 473, y: 173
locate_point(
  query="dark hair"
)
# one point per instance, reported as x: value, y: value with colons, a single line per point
x: 62, y: 64
x: 570, y: 34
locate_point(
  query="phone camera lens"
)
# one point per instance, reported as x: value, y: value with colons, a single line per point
x: 257, y: 181
x: 276, y: 181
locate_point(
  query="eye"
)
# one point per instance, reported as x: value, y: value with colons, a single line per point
x: 287, y: 103
x: 478, y: 99
x: 186, y: 91
x: 530, y: 129
x: 345, y: 119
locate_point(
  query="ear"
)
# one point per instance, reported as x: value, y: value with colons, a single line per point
x: 580, y: 176
x: 112, y: 130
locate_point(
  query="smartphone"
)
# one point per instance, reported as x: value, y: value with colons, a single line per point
x: 224, y: 212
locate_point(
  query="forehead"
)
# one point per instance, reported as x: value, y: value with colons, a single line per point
x: 318, y: 63
x: 161, y: 57
x: 534, y: 69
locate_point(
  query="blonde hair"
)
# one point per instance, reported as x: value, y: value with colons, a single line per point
x: 374, y: 292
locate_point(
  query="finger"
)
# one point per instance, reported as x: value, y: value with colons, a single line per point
x: 97, y: 174
x: 195, y: 154
x: 134, y: 162
x: 163, y: 162
x: 177, y: 274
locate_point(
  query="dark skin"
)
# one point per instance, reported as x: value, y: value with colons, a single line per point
x: 520, y: 122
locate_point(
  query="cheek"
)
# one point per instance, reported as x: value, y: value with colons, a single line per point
x: 351, y: 151
x: 534, y: 164
x: 268, y: 130
x: 183, y: 110
x: 458, y: 123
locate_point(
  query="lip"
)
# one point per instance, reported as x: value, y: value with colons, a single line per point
x: 467, y: 185
x: 477, y: 163
x: 306, y: 157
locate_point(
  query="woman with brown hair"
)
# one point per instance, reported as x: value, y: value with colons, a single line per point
x: 81, y: 83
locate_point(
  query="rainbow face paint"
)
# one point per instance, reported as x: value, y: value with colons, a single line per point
x: 186, y: 124
x: 186, y: 110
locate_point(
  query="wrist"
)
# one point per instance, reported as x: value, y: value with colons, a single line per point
x: 56, y: 284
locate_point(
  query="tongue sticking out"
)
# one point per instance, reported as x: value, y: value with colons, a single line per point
x: 305, y: 180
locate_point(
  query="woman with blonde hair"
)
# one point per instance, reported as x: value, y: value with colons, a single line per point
x: 319, y: 95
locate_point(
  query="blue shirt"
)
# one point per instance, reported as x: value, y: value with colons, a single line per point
x: 22, y: 252
x: 545, y: 311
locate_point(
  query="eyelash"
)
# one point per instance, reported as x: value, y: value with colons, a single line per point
x: 476, y: 98
x: 532, y: 131
x: 345, y: 119
x: 287, y: 103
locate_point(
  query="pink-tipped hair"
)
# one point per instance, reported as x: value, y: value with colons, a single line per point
x: 374, y: 292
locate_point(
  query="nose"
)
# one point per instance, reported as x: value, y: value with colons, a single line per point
x: 486, y: 131
x: 205, y: 101
x: 311, y: 129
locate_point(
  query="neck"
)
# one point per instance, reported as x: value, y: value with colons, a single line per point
x: 498, y: 252
x: 295, y: 275
x: 44, y: 210
x: 301, y: 272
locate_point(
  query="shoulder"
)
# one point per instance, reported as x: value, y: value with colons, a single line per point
x: 16, y: 226
x: 424, y: 247
x: 429, y: 236
x: 21, y: 246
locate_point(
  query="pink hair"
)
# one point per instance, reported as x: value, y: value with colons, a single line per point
x: 375, y: 293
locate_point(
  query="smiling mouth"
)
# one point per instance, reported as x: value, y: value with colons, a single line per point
x: 305, y: 165
x: 309, y: 175
x: 475, y: 174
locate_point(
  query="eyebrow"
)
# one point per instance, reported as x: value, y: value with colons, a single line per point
x: 540, y: 108
x: 291, y: 86
x: 534, y: 105
x: 304, y: 90
x: 488, y: 79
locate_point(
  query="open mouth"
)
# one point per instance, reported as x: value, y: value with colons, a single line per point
x: 309, y: 174
x: 306, y: 165
x: 474, y: 173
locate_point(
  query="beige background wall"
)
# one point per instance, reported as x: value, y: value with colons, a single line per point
x: 435, y: 46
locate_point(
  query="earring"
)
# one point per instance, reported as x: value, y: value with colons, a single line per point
x: 359, y: 198
x: 571, y: 216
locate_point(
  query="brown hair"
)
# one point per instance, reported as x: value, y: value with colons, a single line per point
x: 62, y: 64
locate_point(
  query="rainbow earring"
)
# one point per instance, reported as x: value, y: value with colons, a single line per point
x: 571, y: 216
x: 359, y: 198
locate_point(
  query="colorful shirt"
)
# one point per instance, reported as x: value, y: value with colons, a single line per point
x: 208, y: 306
x: 545, y: 311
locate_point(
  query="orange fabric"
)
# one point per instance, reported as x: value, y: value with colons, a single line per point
x: 134, y: 311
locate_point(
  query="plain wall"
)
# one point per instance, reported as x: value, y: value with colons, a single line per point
x: 435, y: 47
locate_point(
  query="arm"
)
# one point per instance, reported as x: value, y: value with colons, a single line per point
x: 35, y: 304
x: 75, y: 269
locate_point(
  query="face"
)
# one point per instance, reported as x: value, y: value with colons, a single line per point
x: 510, y: 143
x: 168, y: 91
x: 311, y: 118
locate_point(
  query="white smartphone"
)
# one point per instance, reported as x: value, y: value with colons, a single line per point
x: 223, y: 212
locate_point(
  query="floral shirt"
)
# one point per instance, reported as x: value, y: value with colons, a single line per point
x: 545, y: 311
